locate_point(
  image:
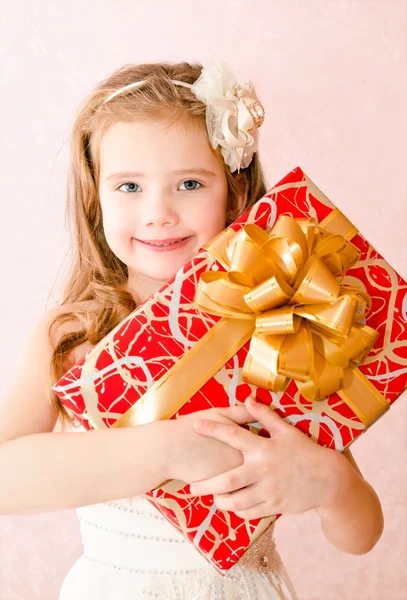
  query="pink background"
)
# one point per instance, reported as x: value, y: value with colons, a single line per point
x: 332, y: 77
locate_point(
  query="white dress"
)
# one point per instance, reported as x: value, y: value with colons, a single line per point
x: 130, y: 552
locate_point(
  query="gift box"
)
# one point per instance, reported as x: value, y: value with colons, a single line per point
x: 291, y: 303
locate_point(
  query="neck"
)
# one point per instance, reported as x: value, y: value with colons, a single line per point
x: 142, y: 287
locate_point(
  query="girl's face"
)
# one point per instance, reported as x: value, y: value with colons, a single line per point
x: 159, y: 184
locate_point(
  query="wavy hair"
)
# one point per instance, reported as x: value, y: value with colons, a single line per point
x: 95, y: 273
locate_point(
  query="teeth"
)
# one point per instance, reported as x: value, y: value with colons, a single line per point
x: 163, y: 245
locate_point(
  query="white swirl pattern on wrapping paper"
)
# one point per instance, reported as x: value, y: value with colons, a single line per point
x: 389, y: 375
x: 273, y: 214
x: 204, y: 526
x: 276, y: 400
x: 254, y: 216
x: 127, y: 360
x: 174, y: 310
x: 404, y: 308
x: 318, y: 418
x: 234, y: 382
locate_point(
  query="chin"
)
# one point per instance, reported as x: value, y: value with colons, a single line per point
x: 164, y: 275
x: 159, y: 275
x: 165, y: 267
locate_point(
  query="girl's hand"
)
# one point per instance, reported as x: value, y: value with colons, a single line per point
x: 193, y: 456
x: 286, y: 473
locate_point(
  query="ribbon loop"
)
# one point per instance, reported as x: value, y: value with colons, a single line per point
x: 287, y: 246
x: 325, y: 380
x: 315, y: 283
x: 218, y: 294
x: 296, y: 357
x: 278, y: 321
x: 337, y: 316
x: 271, y: 293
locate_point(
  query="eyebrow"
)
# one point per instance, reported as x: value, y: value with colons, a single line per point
x: 199, y: 171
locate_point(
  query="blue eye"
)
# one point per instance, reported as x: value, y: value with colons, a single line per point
x: 129, y: 183
x: 192, y: 181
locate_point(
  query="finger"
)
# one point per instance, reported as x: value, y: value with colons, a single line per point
x: 232, y: 434
x: 223, y: 483
x: 239, y: 500
x: 258, y: 511
x: 239, y: 414
x: 268, y: 418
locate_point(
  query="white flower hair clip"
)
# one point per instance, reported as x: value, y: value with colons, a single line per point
x: 233, y: 112
x: 232, y: 116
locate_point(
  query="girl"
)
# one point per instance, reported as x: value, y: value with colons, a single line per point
x: 164, y: 156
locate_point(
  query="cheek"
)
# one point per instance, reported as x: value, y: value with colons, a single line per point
x: 114, y: 222
x: 215, y: 219
x: 117, y: 233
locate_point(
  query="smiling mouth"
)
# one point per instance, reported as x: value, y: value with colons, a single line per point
x: 165, y: 245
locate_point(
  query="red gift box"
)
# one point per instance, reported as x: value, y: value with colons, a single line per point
x: 206, y: 358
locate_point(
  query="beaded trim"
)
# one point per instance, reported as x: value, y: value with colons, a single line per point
x: 138, y: 536
x: 134, y: 511
x: 146, y: 571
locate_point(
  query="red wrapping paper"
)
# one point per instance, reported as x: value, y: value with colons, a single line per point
x: 116, y: 374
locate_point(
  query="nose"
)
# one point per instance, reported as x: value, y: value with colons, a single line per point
x: 159, y: 211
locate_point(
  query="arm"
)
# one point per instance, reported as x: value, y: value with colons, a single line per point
x: 353, y: 521
x: 44, y: 472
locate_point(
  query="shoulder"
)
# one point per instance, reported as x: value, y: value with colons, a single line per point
x: 51, y: 327
x: 27, y: 407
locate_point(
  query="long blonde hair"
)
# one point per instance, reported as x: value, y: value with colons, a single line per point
x: 95, y: 273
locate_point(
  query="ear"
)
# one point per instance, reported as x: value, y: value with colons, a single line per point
x: 239, y: 201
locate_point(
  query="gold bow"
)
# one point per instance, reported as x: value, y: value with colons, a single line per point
x: 307, y: 325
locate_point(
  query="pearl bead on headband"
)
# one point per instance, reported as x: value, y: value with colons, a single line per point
x: 233, y: 112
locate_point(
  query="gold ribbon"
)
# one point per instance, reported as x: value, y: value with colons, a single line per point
x: 281, y: 290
